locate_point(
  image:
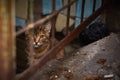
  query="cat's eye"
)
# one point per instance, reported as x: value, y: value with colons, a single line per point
x: 42, y: 36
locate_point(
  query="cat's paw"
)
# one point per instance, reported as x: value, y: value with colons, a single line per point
x: 60, y: 55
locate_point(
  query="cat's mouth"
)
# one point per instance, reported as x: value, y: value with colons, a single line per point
x: 36, y: 45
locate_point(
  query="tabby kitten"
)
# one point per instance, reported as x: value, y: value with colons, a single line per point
x: 40, y: 41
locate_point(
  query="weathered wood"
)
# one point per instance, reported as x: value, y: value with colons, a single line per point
x: 7, y: 42
x: 21, y: 8
x: 50, y: 54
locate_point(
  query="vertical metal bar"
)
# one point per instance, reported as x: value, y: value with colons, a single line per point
x: 37, y: 9
x: 102, y: 2
x: 68, y: 19
x: 28, y: 12
x: 7, y: 42
x: 82, y: 10
x: 94, y: 5
x: 30, y: 19
x: 53, y: 23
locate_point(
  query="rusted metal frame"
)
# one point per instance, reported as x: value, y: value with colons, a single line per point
x: 28, y: 12
x: 11, y: 40
x: 50, y: 54
x: 82, y: 10
x: 30, y: 18
x: 102, y: 2
x: 68, y: 18
x: 41, y: 21
x: 7, y: 53
x: 37, y: 10
x: 53, y: 23
x: 94, y: 6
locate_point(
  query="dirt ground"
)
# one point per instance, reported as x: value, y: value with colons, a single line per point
x: 96, y: 61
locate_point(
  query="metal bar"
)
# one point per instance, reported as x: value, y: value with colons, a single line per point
x: 68, y: 18
x: 50, y: 54
x: 41, y: 21
x: 7, y: 53
x: 37, y: 10
x: 94, y: 6
x: 28, y: 12
x: 82, y: 10
x: 102, y: 2
x: 53, y: 23
x: 53, y: 5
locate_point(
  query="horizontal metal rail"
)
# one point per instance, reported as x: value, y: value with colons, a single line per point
x: 41, y: 21
x: 52, y: 52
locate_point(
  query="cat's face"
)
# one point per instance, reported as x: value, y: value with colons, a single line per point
x: 40, y: 35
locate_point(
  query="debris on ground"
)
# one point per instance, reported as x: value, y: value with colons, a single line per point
x: 68, y: 74
x: 94, y: 77
x: 96, y: 61
x: 101, y: 61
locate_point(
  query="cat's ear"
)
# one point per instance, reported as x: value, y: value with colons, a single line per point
x: 48, y: 27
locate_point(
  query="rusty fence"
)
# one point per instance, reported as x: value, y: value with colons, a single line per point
x: 7, y: 42
x: 53, y: 51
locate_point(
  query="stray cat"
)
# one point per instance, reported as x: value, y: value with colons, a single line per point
x: 40, y: 39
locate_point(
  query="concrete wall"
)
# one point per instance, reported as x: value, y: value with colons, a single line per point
x: 112, y: 15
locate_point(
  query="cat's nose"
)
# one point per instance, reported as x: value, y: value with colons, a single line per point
x: 36, y: 44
